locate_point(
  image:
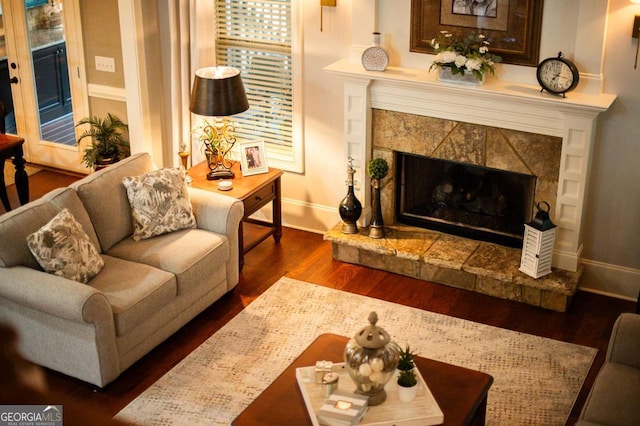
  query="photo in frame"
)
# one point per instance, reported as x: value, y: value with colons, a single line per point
x: 253, y: 158
x: 511, y: 26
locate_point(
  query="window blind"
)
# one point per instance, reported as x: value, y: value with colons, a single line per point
x: 256, y: 38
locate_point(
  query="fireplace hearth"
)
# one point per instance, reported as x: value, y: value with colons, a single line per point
x: 503, y: 125
x: 460, y: 199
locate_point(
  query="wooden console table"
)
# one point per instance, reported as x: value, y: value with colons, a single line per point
x: 11, y: 147
x: 255, y: 192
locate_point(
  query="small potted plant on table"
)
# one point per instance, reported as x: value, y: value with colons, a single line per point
x: 407, y: 379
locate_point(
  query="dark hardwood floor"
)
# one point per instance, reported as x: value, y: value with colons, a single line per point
x: 305, y: 256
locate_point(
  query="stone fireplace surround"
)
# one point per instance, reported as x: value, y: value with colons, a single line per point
x: 472, y: 144
x: 563, y: 127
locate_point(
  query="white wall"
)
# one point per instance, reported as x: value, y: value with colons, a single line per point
x: 611, y: 252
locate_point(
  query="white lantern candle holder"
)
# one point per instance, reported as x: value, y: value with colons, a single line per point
x: 537, y: 248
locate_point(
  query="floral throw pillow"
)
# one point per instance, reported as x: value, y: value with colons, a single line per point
x: 159, y: 203
x: 62, y: 248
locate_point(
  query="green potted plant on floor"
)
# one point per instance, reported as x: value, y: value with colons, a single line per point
x: 109, y: 141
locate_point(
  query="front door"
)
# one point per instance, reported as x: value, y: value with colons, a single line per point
x: 42, y: 79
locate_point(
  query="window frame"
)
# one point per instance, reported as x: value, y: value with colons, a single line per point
x: 290, y: 158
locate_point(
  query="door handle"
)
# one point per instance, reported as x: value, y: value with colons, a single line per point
x: 13, y: 80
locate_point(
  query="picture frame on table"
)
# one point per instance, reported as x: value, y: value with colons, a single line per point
x: 253, y: 158
x: 512, y: 27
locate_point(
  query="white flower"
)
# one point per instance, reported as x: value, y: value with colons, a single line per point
x: 474, y: 64
x: 365, y: 370
x: 483, y: 49
x: 460, y: 61
x: 376, y: 364
x: 445, y: 57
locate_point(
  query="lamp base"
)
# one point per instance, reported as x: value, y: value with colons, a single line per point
x: 220, y: 173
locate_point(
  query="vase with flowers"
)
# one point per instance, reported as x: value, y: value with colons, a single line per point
x: 463, y: 60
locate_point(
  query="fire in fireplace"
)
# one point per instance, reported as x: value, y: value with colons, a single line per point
x: 466, y: 200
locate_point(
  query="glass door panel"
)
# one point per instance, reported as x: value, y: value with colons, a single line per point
x: 46, y: 35
x: 5, y: 83
x: 43, y: 43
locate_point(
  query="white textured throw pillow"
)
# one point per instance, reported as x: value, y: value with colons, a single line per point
x: 63, y: 248
x: 159, y: 203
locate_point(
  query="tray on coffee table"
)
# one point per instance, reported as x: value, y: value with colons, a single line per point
x: 423, y: 410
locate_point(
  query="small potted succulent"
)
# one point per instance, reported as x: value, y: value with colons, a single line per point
x: 406, y: 362
x: 407, y: 379
x: 407, y: 385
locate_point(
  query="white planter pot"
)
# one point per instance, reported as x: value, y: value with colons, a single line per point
x: 444, y: 74
x: 407, y: 394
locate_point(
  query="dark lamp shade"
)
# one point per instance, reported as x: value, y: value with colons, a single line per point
x: 218, y: 92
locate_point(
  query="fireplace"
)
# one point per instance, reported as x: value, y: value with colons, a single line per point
x: 461, y: 199
x: 511, y: 107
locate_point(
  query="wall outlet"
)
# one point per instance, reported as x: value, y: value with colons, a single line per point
x: 105, y: 64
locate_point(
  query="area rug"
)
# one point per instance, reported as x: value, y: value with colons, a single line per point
x: 536, y: 380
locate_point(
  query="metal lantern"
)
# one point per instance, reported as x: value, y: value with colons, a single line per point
x: 537, y: 247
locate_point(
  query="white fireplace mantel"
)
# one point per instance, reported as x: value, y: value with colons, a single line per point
x: 497, y: 103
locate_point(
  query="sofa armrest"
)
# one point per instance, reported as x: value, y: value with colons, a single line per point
x: 54, y: 295
x: 216, y: 212
x: 220, y: 214
x: 625, y: 341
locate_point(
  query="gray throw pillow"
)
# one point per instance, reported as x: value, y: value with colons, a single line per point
x: 159, y: 202
x: 62, y: 248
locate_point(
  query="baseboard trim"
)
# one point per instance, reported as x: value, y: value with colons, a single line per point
x: 610, y: 280
x: 303, y: 216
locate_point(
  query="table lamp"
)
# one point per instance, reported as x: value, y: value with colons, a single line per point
x: 218, y: 92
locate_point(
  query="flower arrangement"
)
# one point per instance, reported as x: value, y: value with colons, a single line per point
x: 468, y: 55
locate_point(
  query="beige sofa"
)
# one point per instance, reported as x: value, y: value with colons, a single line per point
x: 146, y: 291
x: 614, y: 398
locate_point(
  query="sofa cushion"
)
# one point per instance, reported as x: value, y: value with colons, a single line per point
x: 68, y: 198
x: 16, y: 225
x: 62, y: 248
x: 159, y: 203
x: 105, y: 198
x: 134, y: 290
x: 193, y: 255
x: 609, y: 402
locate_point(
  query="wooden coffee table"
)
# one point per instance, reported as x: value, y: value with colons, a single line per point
x: 461, y: 393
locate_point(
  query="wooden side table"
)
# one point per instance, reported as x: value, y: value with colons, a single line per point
x: 11, y: 147
x: 255, y: 192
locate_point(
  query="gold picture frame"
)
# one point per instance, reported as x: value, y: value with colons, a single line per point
x: 511, y: 26
x: 253, y: 158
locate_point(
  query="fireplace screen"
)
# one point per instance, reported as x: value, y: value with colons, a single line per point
x: 461, y: 199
